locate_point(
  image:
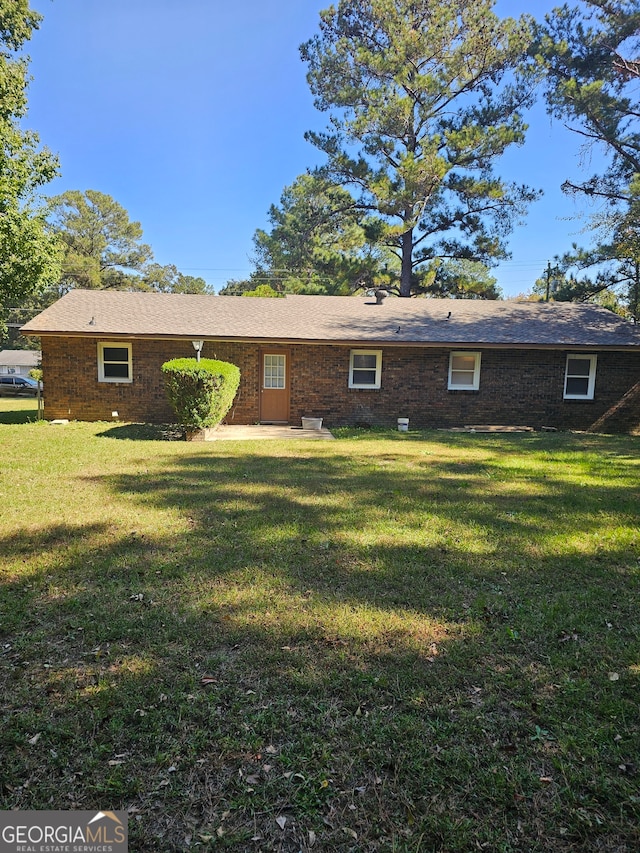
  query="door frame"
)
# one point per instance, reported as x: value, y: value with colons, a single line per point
x: 275, y: 350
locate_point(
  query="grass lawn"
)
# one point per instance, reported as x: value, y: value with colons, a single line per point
x: 18, y: 410
x: 389, y: 642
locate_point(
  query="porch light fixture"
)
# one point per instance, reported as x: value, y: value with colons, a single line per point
x: 197, y: 345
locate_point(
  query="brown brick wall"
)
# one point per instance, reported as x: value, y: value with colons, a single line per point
x: 70, y: 374
x: 517, y: 387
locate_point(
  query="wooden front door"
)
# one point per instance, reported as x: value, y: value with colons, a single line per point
x: 274, y: 387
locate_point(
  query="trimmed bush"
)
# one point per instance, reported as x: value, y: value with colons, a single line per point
x: 201, y: 392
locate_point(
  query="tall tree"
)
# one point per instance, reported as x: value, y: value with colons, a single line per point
x: 29, y: 255
x: 168, y: 279
x: 590, y: 54
x: 319, y: 242
x: 102, y: 246
x: 237, y: 287
x: 463, y: 279
x: 103, y: 249
x: 608, y: 273
x: 423, y: 99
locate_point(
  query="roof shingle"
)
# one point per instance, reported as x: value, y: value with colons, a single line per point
x: 335, y: 319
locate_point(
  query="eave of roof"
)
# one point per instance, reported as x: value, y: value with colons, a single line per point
x: 284, y: 342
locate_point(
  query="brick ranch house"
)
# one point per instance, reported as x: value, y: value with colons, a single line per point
x: 349, y: 360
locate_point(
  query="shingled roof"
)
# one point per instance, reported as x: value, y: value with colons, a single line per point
x: 335, y: 319
x: 19, y: 357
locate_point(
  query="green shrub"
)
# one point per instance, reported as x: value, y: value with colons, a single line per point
x: 264, y: 290
x: 201, y: 392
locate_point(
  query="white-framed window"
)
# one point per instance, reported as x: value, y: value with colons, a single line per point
x: 114, y: 362
x: 464, y: 371
x: 275, y: 371
x: 365, y: 368
x: 580, y: 376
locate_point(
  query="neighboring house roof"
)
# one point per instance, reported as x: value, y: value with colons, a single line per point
x: 335, y: 319
x: 20, y: 358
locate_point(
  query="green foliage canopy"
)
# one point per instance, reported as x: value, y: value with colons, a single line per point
x: 590, y: 57
x: 29, y: 256
x: 423, y: 98
x: 320, y: 242
x: 168, y: 279
x: 102, y: 246
x: 263, y: 290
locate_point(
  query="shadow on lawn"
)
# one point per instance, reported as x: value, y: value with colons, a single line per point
x: 387, y: 659
x: 144, y: 432
x: 19, y: 416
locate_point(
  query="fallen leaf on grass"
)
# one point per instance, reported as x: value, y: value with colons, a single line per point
x: 208, y: 679
x: 350, y: 832
x: 281, y: 821
x: 34, y: 740
x: 271, y: 749
x: 614, y: 676
x: 566, y: 636
x: 546, y: 780
x: 312, y: 838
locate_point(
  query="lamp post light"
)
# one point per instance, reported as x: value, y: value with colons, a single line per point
x: 197, y: 345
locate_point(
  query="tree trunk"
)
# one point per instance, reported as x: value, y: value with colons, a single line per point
x: 407, y: 263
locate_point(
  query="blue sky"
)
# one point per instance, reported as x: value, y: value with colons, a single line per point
x: 192, y: 113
